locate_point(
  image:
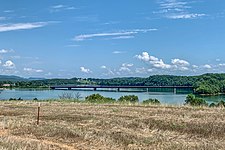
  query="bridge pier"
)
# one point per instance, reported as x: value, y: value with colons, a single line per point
x: 118, y: 89
x: 193, y: 91
x: 147, y: 90
x: 69, y: 88
x: 95, y: 89
x: 175, y: 90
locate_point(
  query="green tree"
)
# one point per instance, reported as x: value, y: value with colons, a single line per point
x: 221, y: 104
x: 129, y: 98
x: 193, y: 101
x: 97, y: 98
x: 151, y: 101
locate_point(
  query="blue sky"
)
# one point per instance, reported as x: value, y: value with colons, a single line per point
x: 106, y: 39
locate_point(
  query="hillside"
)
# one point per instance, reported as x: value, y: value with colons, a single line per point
x: 70, y: 126
x: 204, y: 84
x: 11, y: 78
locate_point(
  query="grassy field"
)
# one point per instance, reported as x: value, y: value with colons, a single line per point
x: 92, y: 126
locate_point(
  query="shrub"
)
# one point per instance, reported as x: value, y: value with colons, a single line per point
x: 19, y: 99
x: 97, y: 98
x: 193, y: 101
x: 66, y: 95
x: 109, y: 100
x: 12, y: 99
x: 212, y: 105
x: 129, y: 98
x: 77, y: 96
x: 151, y: 101
x: 221, y: 104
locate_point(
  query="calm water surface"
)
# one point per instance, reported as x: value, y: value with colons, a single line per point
x: 164, y: 97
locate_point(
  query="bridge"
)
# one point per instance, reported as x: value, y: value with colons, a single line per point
x: 95, y: 87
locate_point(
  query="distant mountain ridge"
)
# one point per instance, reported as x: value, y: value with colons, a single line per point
x: 33, y: 78
x: 12, y: 78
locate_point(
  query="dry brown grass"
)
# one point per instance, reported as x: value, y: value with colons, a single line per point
x: 92, y: 126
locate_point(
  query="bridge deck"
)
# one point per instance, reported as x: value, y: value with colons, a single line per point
x: 105, y: 86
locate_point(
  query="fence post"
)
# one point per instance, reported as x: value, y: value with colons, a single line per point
x: 38, y: 113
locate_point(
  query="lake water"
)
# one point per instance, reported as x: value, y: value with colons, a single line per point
x: 164, y: 97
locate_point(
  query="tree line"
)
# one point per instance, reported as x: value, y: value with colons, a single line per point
x: 208, y: 84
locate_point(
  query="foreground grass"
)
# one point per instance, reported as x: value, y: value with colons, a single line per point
x: 114, y: 126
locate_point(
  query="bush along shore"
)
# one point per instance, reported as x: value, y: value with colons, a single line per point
x: 190, y: 100
x: 95, y: 98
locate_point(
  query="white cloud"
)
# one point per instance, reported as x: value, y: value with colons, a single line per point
x: 71, y: 8
x: 123, y: 37
x: 176, y: 64
x: 185, y: 16
x: 177, y: 9
x: 179, y: 62
x: 140, y: 70
x: 110, y: 23
x: 9, y: 64
x: 143, y: 70
x: 155, y: 62
x: 173, y: 4
x: 8, y: 11
x: 103, y: 67
x: 149, y: 70
x: 21, y: 26
x: 160, y: 64
x: 72, y: 45
x: 85, y: 70
x: 4, y: 51
x: 120, y: 34
x: 194, y: 66
x: 126, y: 67
x: 57, y: 6
x: 146, y: 57
x: 222, y: 65
x: 207, y: 66
x: 31, y: 70
x: 182, y: 68
x: 88, y: 36
x: 118, y: 52
x: 60, y: 7
x: 109, y: 71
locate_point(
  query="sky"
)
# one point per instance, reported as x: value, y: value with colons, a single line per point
x: 113, y: 38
